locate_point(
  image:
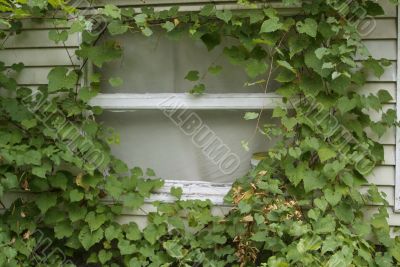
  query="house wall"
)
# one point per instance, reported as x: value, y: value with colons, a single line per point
x: 39, y: 55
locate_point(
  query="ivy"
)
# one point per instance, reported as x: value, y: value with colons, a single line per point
x: 300, y: 206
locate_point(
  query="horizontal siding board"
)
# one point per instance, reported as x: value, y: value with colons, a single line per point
x: 394, y: 218
x: 381, y: 49
x: 389, y: 153
x: 40, y: 57
x: 38, y: 39
x: 383, y: 28
x: 388, y: 76
x: 382, y: 175
x: 373, y: 88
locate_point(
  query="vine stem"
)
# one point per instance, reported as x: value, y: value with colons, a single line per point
x: 266, y: 86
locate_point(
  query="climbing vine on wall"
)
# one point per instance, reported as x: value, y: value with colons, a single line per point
x: 301, y: 206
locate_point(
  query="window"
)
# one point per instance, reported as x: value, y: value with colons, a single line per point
x: 194, y: 141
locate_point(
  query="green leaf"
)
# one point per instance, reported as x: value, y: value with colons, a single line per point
x: 309, y: 27
x: 176, y: 192
x: 168, y: 26
x: 46, y: 201
x: 260, y: 236
x: 76, y: 212
x: 75, y: 195
x: 313, y: 181
x: 100, y: 54
x: 60, y: 78
x: 126, y: 247
x: 225, y: 15
x: 174, y: 249
x: 104, y: 256
x: 286, y: 65
x: 95, y: 220
x: 133, y: 200
x: 244, y: 207
x: 111, y: 11
x: 192, y: 76
x: 113, y: 232
x: 198, y: 89
x: 211, y: 40
x: 207, y: 10
x: 384, y: 96
x: 345, y: 104
x: 58, y: 35
x: 133, y: 232
x: 255, y: 67
x: 251, y: 115
x: 151, y: 233
x: 63, y: 229
x: 215, y: 70
x: 88, y: 238
x: 325, y: 153
x: 116, y: 81
x: 271, y: 25
x: 86, y: 93
x: 324, y: 225
x: 116, y: 28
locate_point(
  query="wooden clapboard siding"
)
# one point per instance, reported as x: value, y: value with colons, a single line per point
x: 38, y: 39
x: 40, y: 55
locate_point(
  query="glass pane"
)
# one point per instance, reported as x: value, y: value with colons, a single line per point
x: 206, y: 147
x: 158, y: 64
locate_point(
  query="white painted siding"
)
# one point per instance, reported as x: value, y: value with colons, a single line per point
x: 38, y: 53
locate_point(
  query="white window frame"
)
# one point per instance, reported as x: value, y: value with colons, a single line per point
x: 215, y: 192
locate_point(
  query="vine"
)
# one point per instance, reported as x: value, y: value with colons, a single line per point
x: 301, y: 206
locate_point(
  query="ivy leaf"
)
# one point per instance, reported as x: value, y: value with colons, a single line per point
x: 309, y: 27
x: 76, y: 212
x: 176, y: 192
x: 133, y: 232
x: 116, y: 28
x: 100, y: 54
x: 46, y: 201
x: 111, y: 11
x: 255, y: 67
x: 112, y: 232
x: 151, y: 233
x: 384, y: 96
x: 225, y: 15
x: 116, y: 81
x: 251, y: 115
x: 133, y: 200
x: 95, y: 221
x: 215, y: 70
x: 58, y: 36
x: 89, y: 238
x: 313, y: 181
x: 60, y: 78
x: 174, y: 249
x: 192, y: 76
x: 207, y: 10
x: 345, y: 104
x: 75, y: 195
x: 104, y: 256
x: 198, y: 89
x: 86, y: 93
x: 244, y: 207
x: 126, y: 247
x: 325, y: 153
x: 168, y: 26
x: 286, y: 65
x: 271, y: 25
x: 63, y: 229
x: 211, y: 40
x: 297, y: 44
x: 324, y: 225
